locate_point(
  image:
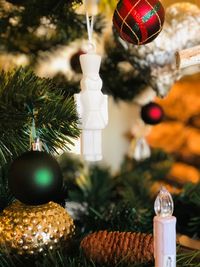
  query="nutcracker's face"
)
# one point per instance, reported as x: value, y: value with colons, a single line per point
x: 90, y: 64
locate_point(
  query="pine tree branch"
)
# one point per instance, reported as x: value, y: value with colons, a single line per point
x: 55, y: 115
x: 188, y: 258
x: 36, y: 25
x: 189, y: 199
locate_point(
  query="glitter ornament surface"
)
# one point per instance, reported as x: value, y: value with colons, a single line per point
x: 34, y: 229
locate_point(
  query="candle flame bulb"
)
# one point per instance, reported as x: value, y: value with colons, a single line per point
x: 164, y: 205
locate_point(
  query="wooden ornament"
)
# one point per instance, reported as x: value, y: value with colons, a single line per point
x: 187, y: 242
x: 188, y: 57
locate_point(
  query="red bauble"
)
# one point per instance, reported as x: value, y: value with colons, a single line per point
x: 152, y: 113
x: 139, y: 21
x: 75, y: 62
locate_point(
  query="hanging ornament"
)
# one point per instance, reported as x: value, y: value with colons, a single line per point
x: 92, y: 107
x: 113, y: 248
x: 35, y: 178
x: 30, y: 230
x: 75, y: 62
x: 92, y: 104
x: 142, y: 150
x: 152, y: 113
x: 139, y: 22
x: 139, y: 148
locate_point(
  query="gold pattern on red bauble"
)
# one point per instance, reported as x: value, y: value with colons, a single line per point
x: 139, y: 21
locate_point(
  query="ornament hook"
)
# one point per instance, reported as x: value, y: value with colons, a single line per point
x: 90, y: 27
x: 35, y: 143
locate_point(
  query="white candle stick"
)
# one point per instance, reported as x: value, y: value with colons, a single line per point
x: 164, y: 231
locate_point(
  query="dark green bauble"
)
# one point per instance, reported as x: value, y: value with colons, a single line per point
x: 35, y: 178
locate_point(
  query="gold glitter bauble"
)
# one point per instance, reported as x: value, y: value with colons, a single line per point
x: 34, y: 229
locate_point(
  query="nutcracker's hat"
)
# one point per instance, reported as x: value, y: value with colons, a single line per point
x: 90, y: 63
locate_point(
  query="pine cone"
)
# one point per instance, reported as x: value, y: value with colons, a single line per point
x: 113, y: 247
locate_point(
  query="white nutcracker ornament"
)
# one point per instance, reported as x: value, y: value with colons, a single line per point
x: 92, y: 106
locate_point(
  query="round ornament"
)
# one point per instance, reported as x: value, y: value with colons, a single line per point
x: 152, y: 113
x: 34, y: 229
x: 139, y: 22
x: 35, y: 178
x: 75, y: 62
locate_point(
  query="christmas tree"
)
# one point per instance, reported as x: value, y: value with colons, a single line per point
x: 110, y: 211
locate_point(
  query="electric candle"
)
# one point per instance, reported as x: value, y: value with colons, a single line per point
x: 164, y: 230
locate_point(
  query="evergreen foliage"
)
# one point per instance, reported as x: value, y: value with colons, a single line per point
x: 187, y: 210
x: 24, y: 96
x: 31, y: 26
x: 21, y: 21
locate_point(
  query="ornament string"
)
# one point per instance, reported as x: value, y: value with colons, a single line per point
x: 33, y: 134
x: 90, y: 26
x: 34, y: 140
x: 35, y: 143
x: 90, y: 29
